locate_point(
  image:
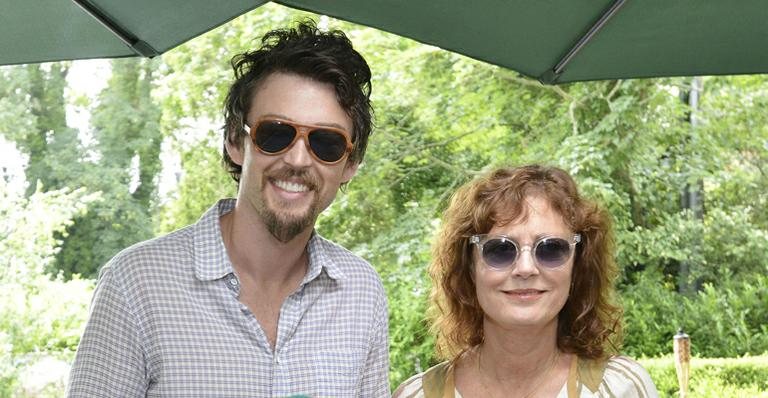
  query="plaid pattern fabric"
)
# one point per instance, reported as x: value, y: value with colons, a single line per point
x: 166, y: 321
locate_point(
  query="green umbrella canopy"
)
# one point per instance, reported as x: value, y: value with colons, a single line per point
x: 554, y: 41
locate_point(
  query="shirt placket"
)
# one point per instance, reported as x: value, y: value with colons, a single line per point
x: 249, y: 322
x: 291, y: 313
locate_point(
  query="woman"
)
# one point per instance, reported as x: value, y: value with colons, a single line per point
x: 522, y: 299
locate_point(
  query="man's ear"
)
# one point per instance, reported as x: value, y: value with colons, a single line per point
x: 350, y: 169
x: 235, y: 153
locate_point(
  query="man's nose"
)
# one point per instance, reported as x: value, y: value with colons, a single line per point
x: 298, y: 154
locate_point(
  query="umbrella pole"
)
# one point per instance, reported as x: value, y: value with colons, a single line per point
x: 140, y: 47
x: 551, y: 76
x: 691, y: 197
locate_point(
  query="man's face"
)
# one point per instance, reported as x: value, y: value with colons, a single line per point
x: 289, y: 190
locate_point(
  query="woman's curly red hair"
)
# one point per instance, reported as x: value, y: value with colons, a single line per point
x: 589, y: 324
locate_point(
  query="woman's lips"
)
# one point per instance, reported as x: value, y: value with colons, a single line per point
x: 524, y: 294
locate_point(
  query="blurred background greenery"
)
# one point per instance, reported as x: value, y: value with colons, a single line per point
x: 680, y: 162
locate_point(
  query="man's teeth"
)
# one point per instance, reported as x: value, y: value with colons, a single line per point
x: 291, y: 186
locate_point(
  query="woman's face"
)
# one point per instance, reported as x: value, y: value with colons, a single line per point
x: 524, y: 294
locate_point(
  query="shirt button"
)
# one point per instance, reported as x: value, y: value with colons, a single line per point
x: 233, y: 281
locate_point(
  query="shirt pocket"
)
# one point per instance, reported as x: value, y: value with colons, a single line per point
x: 337, y: 371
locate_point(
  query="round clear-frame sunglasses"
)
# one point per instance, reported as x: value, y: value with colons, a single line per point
x: 501, y: 252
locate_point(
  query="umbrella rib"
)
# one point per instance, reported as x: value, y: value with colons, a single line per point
x: 140, y: 47
x: 585, y: 39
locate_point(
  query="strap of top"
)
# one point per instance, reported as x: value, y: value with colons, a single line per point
x: 437, y: 381
x: 585, y: 373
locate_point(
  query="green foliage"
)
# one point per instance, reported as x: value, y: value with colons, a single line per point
x: 32, y: 116
x: 203, y: 183
x: 41, y: 319
x: 411, y: 347
x: 724, y: 321
x: 124, y: 167
x: 712, y: 377
x: 123, y: 163
x: 196, y: 74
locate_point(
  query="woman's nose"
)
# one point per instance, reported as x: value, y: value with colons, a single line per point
x: 525, y: 266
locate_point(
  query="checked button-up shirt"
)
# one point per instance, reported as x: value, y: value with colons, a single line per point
x: 166, y: 321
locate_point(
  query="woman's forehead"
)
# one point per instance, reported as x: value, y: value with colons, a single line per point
x: 537, y: 206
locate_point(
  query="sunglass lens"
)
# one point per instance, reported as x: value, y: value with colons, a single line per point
x: 499, y: 253
x: 552, y: 252
x: 273, y: 137
x: 327, y: 145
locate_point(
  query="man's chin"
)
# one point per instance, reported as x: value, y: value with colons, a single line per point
x: 286, y: 227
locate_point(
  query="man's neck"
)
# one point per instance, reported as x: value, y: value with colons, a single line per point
x: 269, y: 270
x: 254, y: 252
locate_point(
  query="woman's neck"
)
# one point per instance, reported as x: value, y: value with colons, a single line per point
x: 521, y: 358
x: 524, y: 362
x: 518, y: 357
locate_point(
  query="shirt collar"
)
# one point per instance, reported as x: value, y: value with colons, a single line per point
x: 211, y: 259
x: 320, y: 258
x: 209, y: 254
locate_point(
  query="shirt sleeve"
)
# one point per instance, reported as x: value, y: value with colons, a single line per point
x: 109, y: 360
x: 375, y: 377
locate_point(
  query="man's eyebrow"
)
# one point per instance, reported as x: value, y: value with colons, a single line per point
x: 286, y: 118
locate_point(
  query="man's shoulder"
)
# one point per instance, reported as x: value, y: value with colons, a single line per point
x: 154, y: 253
x: 338, y: 251
x: 349, y: 263
x: 168, y: 251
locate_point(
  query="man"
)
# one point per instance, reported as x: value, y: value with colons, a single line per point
x: 250, y: 301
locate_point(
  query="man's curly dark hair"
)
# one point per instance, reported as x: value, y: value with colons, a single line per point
x: 327, y: 57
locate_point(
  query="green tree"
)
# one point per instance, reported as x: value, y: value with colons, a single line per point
x: 40, y: 318
x: 33, y: 117
x: 202, y: 183
x: 125, y: 168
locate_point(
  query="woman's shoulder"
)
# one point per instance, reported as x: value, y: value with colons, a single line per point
x: 625, y: 367
x: 416, y: 385
x: 411, y: 388
x: 624, y: 376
